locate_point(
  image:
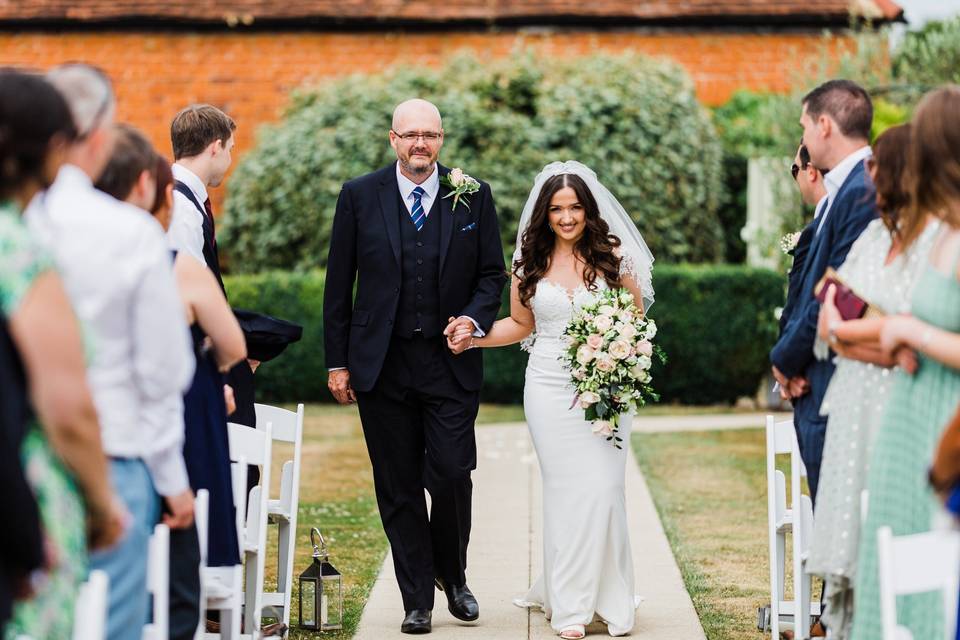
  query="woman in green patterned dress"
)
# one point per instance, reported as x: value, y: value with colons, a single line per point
x: 77, y: 507
x: 921, y: 404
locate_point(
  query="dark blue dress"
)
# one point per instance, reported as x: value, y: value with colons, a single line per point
x: 206, y: 452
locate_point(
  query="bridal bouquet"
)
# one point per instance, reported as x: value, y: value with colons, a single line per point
x: 609, y: 356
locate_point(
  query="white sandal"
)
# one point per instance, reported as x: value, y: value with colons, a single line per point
x: 573, y: 632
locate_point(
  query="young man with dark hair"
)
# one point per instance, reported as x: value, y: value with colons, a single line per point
x: 836, y: 120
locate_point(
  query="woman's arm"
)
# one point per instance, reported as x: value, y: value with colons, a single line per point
x: 47, y: 337
x: 506, y: 331
x: 213, y: 314
x: 910, y: 332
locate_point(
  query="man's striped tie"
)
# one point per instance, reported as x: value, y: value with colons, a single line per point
x: 417, y: 214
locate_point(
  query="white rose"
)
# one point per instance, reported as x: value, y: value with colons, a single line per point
x: 627, y: 332
x: 584, y: 354
x: 603, y: 323
x: 644, y: 362
x: 588, y: 398
x: 625, y: 316
x: 456, y: 177
x: 602, y: 428
x: 578, y: 374
x: 646, y: 377
x: 651, y: 331
x: 626, y: 297
x: 606, y: 310
x: 605, y: 363
x: 619, y: 349
x: 636, y: 371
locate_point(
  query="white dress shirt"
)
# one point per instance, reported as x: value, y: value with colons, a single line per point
x: 186, y: 225
x: 118, y: 273
x: 431, y: 186
x: 838, y: 175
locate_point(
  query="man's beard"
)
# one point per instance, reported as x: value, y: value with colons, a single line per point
x: 417, y: 170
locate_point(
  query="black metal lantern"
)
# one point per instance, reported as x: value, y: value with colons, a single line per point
x: 321, y: 590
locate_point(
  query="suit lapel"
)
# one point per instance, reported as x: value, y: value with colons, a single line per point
x: 389, y: 194
x: 445, y: 211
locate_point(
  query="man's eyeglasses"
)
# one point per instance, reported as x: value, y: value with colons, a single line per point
x: 412, y: 136
x: 794, y: 170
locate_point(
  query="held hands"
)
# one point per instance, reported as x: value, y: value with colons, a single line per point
x: 339, y: 384
x: 459, y: 333
x: 229, y: 399
x: 791, y: 387
x: 895, y: 341
x: 181, y: 510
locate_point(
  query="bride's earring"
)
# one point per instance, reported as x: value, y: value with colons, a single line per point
x: 550, y: 226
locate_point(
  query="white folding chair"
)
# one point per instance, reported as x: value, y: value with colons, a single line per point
x: 796, y: 520
x: 256, y: 446
x: 917, y: 563
x: 158, y: 583
x: 90, y: 617
x: 287, y: 428
x: 221, y: 588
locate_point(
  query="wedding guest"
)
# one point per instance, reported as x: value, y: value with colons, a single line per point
x: 836, y: 119
x: 137, y: 175
x: 61, y: 449
x: 809, y: 181
x: 202, y: 138
x: 920, y: 404
x: 883, y: 271
x: 116, y: 268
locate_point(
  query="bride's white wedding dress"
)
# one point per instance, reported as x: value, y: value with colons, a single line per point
x: 587, y: 565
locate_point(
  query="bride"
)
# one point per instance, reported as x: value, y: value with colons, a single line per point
x: 574, y: 239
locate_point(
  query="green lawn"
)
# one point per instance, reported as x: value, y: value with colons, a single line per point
x: 710, y: 490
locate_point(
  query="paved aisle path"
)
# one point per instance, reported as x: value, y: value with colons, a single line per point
x: 504, y: 557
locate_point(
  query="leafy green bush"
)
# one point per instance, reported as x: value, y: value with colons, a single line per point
x: 929, y: 57
x: 635, y: 120
x: 716, y: 325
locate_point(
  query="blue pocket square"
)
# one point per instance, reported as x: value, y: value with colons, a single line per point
x: 469, y: 227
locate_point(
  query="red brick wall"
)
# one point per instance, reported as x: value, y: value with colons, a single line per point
x: 249, y: 75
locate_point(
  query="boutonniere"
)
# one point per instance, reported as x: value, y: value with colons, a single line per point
x: 789, y: 242
x: 461, y: 185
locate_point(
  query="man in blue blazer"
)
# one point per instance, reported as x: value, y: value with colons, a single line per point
x: 809, y: 181
x: 836, y: 121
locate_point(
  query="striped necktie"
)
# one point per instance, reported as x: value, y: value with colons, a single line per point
x: 417, y: 214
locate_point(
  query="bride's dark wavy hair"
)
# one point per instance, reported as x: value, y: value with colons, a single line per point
x: 595, y: 247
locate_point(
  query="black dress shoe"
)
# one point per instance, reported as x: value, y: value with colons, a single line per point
x: 417, y: 621
x: 460, y: 601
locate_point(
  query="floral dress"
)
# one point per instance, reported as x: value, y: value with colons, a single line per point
x: 49, y: 614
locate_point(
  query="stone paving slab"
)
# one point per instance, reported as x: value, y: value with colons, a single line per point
x: 504, y: 556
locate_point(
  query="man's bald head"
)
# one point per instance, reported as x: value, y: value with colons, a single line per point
x: 417, y: 111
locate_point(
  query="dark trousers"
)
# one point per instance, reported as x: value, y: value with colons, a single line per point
x: 184, y: 583
x: 418, y: 424
x: 810, y: 436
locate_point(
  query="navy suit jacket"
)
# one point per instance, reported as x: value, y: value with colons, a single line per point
x: 796, y: 272
x: 365, y: 254
x: 852, y: 209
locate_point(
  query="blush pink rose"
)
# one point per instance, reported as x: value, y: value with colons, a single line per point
x: 594, y: 341
x: 645, y: 348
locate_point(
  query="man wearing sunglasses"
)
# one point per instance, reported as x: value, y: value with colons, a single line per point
x: 809, y: 181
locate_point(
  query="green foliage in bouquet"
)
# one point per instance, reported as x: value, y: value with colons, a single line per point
x: 633, y: 119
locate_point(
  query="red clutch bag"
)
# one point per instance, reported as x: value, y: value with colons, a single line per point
x: 849, y: 304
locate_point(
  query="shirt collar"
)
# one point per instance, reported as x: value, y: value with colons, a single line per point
x: 838, y: 175
x: 820, y: 205
x: 71, y: 174
x: 431, y: 185
x: 192, y: 180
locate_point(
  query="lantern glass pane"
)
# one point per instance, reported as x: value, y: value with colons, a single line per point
x: 308, y: 603
x: 331, y: 604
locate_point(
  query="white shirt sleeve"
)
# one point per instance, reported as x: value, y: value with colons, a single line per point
x: 186, y: 227
x: 163, y: 366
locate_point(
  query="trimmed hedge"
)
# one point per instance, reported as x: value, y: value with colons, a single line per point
x: 716, y: 324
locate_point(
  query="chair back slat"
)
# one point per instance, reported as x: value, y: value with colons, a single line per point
x: 284, y: 421
x: 250, y: 443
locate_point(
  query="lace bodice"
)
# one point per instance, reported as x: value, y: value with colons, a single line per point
x: 553, y: 306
